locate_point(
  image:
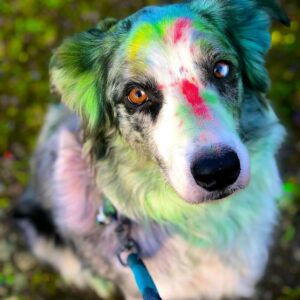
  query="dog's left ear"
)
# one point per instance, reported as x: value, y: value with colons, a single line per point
x: 245, y: 23
x: 78, y: 72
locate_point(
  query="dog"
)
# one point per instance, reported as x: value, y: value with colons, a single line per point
x: 164, y: 114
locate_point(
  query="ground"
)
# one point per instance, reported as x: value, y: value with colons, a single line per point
x: 29, y: 30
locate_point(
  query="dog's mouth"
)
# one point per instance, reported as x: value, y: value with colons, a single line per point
x: 212, y: 196
x: 221, y: 195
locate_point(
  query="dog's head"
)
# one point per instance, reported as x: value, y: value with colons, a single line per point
x: 172, y: 81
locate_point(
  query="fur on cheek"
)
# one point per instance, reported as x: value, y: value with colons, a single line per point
x: 76, y: 200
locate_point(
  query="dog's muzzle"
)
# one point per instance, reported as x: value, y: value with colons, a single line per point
x: 216, y: 170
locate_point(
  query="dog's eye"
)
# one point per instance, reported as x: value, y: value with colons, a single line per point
x: 221, y: 70
x: 137, y: 96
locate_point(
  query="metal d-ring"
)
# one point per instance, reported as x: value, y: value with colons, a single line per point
x: 130, y: 247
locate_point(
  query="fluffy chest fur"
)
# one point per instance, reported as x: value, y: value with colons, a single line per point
x: 218, y: 249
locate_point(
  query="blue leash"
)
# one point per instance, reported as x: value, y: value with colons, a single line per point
x: 130, y: 249
x: 142, y: 277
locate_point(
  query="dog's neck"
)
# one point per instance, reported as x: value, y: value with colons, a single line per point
x: 137, y: 189
x: 135, y: 185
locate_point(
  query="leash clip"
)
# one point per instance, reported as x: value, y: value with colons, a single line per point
x: 129, y: 252
x: 128, y: 245
x: 131, y: 247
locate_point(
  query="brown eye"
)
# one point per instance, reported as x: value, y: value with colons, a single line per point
x: 137, y: 96
x: 221, y: 70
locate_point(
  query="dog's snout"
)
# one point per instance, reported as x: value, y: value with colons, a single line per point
x: 216, y: 170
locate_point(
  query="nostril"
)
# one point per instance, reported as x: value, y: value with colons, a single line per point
x: 216, y: 171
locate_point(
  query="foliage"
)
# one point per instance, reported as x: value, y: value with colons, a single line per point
x: 29, y: 31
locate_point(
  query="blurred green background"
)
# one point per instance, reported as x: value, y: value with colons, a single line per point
x: 29, y: 31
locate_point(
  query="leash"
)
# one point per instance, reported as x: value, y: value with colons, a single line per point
x: 128, y: 253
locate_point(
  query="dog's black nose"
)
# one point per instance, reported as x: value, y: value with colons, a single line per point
x: 216, y: 170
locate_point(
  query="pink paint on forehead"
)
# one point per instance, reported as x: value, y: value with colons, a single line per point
x: 192, y: 94
x: 180, y: 26
x: 161, y: 86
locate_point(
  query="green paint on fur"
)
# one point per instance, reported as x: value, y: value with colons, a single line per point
x: 187, y: 117
x: 209, y: 97
x: 141, y: 39
x: 78, y: 72
x: 141, y: 192
x: 148, y: 32
x: 79, y: 94
x: 250, y: 39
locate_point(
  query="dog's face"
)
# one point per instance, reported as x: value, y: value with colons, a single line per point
x: 172, y: 80
x: 177, y: 88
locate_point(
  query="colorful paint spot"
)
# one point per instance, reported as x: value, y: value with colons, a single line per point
x: 161, y: 87
x: 188, y: 119
x: 192, y: 95
x: 141, y: 39
x: 209, y: 97
x: 147, y: 33
x: 180, y: 27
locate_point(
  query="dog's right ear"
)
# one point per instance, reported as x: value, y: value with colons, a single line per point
x: 274, y: 10
x: 79, y: 69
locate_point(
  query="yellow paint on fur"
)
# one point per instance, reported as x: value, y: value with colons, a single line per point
x: 140, y: 40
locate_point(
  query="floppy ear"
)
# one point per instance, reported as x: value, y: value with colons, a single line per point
x: 245, y: 23
x: 78, y: 72
x: 274, y: 10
